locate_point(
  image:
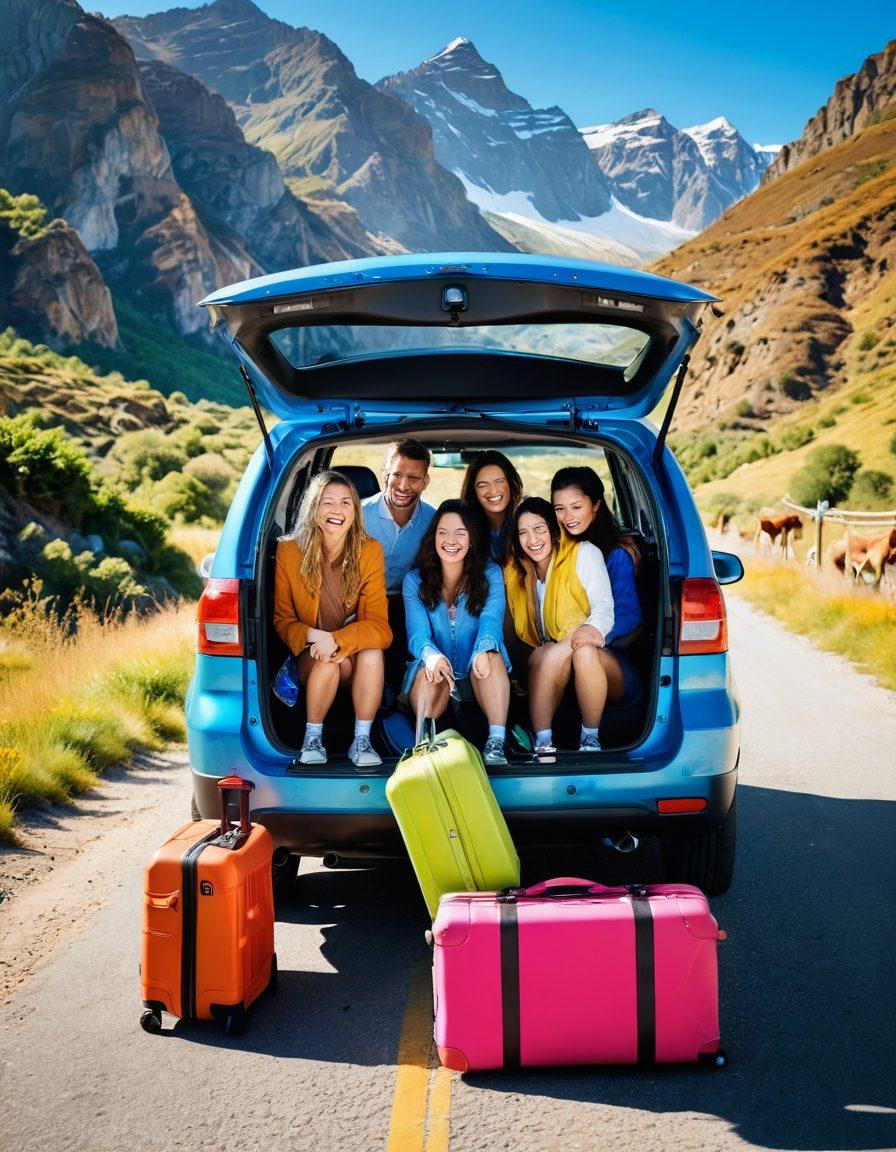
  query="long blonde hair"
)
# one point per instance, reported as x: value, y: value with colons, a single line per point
x: 310, y: 538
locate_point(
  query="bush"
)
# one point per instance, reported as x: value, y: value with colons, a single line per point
x: 45, y: 467
x: 893, y: 443
x: 63, y: 572
x: 21, y: 216
x: 744, y: 408
x: 872, y: 490
x: 210, y: 470
x: 869, y: 340
x: 147, y: 455
x: 861, y: 397
x: 796, y: 436
x: 827, y: 475
x: 827, y: 422
x: 111, y: 583
x: 725, y: 504
x: 182, y: 497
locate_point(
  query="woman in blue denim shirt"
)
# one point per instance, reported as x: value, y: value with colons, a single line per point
x: 454, y: 607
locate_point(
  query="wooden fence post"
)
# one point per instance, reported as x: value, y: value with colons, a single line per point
x: 820, y: 510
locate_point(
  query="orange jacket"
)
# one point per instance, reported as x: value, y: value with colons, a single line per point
x: 295, y: 609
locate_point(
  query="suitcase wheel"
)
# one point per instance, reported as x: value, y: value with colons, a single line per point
x: 150, y: 1021
x: 272, y: 982
x: 234, y: 1022
x: 717, y: 1059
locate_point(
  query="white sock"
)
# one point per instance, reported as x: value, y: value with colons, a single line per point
x: 362, y: 728
x: 497, y: 731
x: 314, y: 730
x: 545, y: 736
x: 588, y: 732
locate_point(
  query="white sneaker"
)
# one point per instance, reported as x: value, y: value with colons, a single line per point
x: 313, y: 751
x: 493, y: 753
x: 544, y: 749
x: 362, y: 754
x: 590, y: 744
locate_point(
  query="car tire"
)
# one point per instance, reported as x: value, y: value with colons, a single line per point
x: 283, y: 877
x: 706, y: 861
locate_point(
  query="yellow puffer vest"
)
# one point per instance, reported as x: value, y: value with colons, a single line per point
x: 565, y: 600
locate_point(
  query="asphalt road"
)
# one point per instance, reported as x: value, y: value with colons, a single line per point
x: 340, y: 1058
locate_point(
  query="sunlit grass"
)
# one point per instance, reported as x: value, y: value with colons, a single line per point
x: 86, y: 703
x: 857, y: 623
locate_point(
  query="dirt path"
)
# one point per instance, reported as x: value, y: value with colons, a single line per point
x: 68, y: 862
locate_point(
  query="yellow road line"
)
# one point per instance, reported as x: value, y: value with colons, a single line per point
x: 417, y: 1078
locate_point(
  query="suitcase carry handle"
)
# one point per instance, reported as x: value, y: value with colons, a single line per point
x: 559, y: 886
x: 244, y: 787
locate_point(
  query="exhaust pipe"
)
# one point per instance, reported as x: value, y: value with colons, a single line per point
x: 331, y: 860
x: 281, y: 857
x: 625, y: 844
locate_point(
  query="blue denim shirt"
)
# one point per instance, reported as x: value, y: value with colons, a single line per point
x: 399, y: 544
x: 432, y: 632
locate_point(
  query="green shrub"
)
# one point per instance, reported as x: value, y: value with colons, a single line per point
x: 63, y: 573
x: 744, y: 408
x: 796, y: 436
x: 147, y: 455
x: 111, y: 583
x: 861, y: 397
x: 869, y: 340
x: 115, y: 518
x: 210, y: 470
x: 21, y: 215
x: 827, y: 422
x: 872, y: 490
x: 44, y: 466
x: 828, y: 474
x: 182, y: 497
x: 722, y: 504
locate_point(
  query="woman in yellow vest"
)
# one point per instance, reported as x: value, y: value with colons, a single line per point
x: 559, y: 598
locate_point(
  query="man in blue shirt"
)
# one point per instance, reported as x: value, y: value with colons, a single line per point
x: 397, y: 516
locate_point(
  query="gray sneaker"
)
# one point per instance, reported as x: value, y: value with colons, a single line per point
x: 590, y: 744
x: 313, y: 751
x: 493, y: 753
x: 362, y: 754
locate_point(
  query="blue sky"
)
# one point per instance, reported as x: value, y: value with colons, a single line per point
x: 766, y: 66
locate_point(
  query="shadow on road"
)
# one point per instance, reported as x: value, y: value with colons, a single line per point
x: 807, y: 979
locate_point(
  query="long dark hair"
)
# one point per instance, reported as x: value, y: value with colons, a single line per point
x: 604, y: 530
x: 473, y: 580
x: 469, y: 497
x: 537, y: 506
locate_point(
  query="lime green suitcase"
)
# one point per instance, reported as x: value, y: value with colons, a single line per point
x: 454, y: 831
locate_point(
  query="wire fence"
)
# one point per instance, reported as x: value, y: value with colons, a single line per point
x: 865, y: 550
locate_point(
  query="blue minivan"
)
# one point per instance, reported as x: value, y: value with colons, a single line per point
x: 544, y: 358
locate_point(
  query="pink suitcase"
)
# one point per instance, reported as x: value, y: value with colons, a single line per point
x: 572, y: 972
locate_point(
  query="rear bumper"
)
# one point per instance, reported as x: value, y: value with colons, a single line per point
x: 350, y: 815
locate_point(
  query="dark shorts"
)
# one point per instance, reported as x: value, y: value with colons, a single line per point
x: 631, y: 681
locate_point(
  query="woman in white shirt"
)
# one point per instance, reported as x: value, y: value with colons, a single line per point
x: 561, y: 604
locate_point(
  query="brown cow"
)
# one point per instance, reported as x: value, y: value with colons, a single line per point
x: 873, y: 553
x: 788, y: 528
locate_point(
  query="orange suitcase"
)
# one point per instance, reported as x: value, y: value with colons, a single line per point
x: 208, y: 920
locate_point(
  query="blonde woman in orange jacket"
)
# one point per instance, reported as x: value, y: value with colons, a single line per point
x: 330, y: 610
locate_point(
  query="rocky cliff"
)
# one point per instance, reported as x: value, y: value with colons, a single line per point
x: 79, y: 129
x: 334, y: 135
x: 858, y: 100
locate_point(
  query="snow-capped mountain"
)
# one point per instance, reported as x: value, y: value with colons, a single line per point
x: 737, y: 165
x: 496, y: 142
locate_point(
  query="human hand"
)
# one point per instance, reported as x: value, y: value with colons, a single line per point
x: 441, y: 672
x: 585, y: 635
x: 324, y: 647
x: 482, y: 665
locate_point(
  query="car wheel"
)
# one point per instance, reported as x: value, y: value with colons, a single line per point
x: 706, y: 861
x: 284, y: 876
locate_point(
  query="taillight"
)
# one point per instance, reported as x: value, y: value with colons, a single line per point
x: 704, y: 622
x: 219, y: 619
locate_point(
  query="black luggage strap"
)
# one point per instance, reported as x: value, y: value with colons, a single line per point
x: 510, y: 983
x: 644, y: 974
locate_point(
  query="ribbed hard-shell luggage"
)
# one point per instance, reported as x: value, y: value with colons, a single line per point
x: 208, y: 919
x: 455, y: 833
x: 572, y: 972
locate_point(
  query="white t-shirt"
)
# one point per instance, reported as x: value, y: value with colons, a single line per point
x: 592, y: 572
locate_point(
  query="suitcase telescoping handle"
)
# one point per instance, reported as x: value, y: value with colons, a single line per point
x: 244, y: 787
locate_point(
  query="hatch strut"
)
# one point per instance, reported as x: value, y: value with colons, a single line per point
x: 256, y: 408
x: 670, y: 411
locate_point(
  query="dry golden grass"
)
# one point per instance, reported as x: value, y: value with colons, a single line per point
x: 87, y: 702
x: 857, y: 623
x: 197, y: 542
